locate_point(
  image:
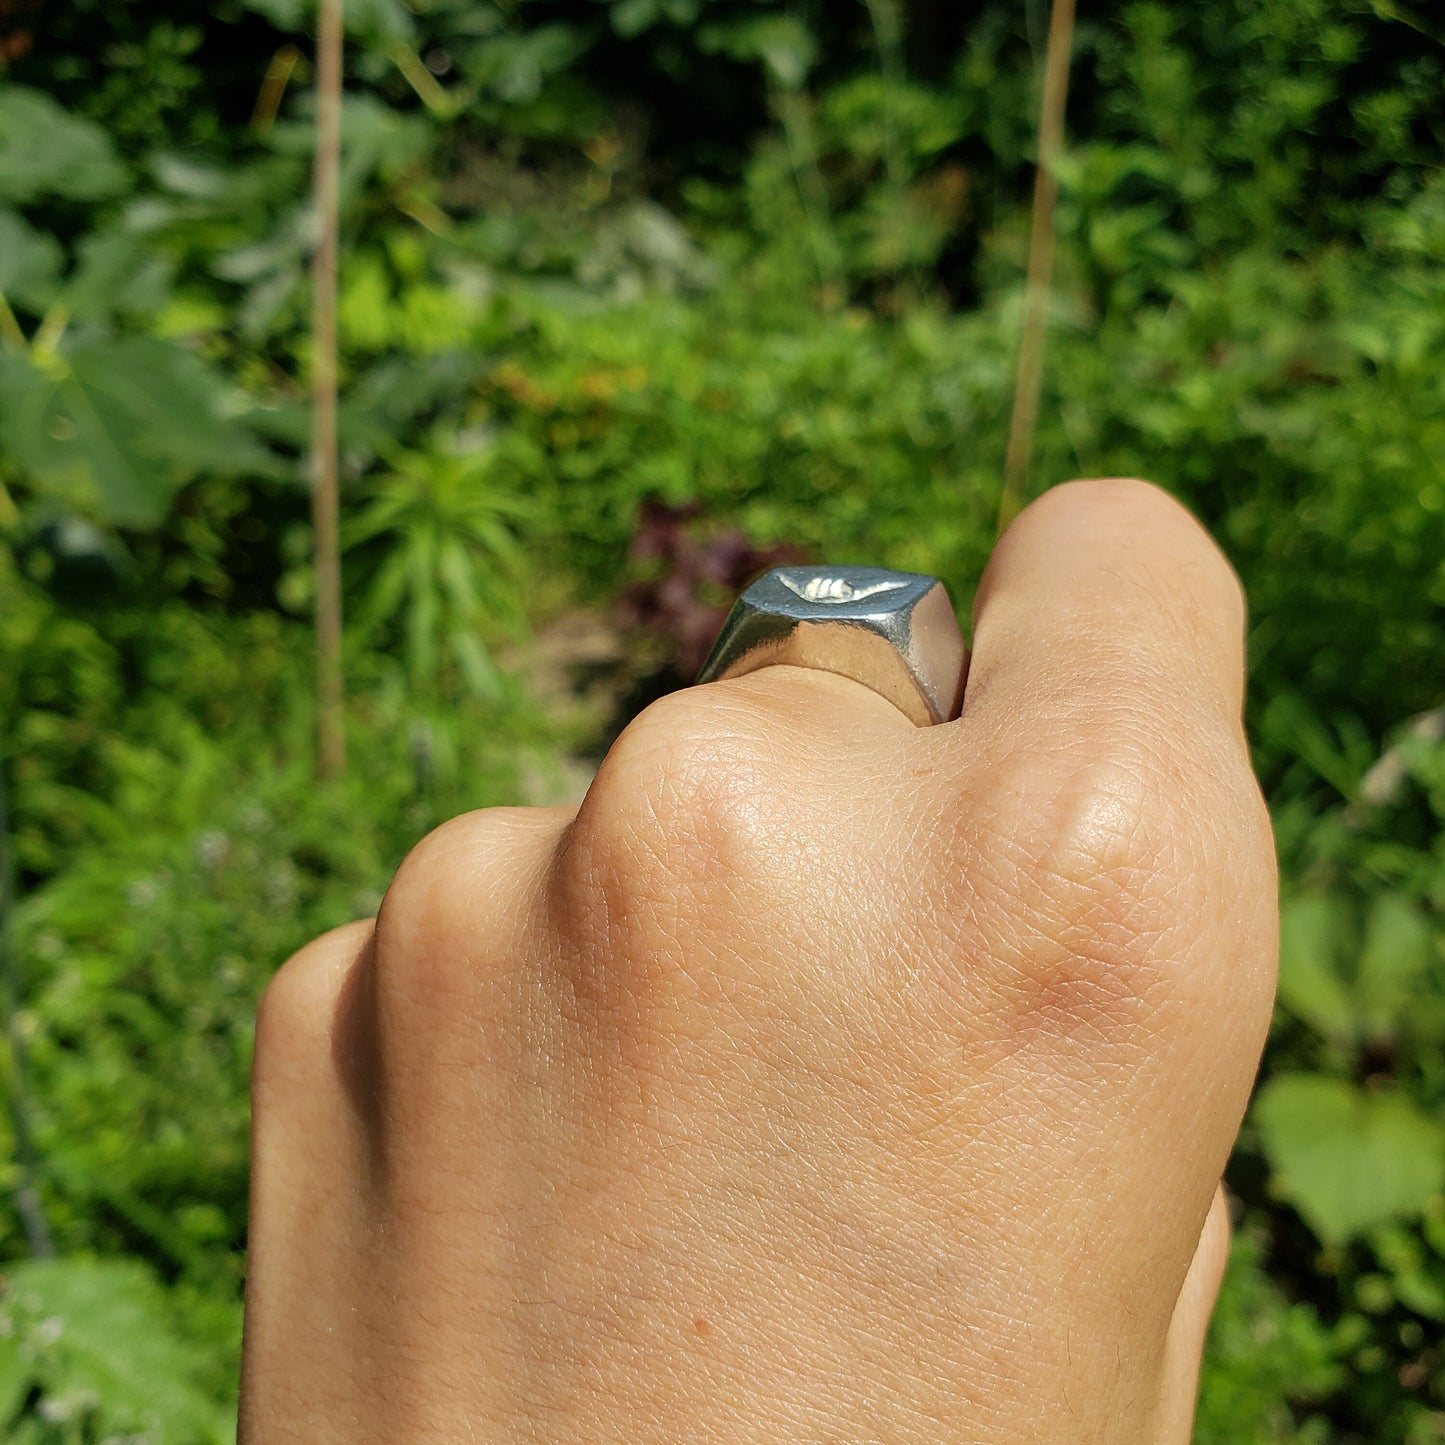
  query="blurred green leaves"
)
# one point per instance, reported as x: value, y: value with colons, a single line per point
x: 732, y: 255
x: 1353, y: 990
x: 373, y: 20
x: 1271, y: 1361
x: 1349, y: 1158
x: 1351, y: 1155
x: 47, y: 151
x: 445, y: 566
x: 783, y: 44
x: 113, y: 428
x: 104, y: 424
x: 97, y: 1344
x: 30, y: 262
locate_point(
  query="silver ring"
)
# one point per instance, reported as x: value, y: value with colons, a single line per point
x: 894, y: 632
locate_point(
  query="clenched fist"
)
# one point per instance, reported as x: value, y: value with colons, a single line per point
x: 820, y: 1078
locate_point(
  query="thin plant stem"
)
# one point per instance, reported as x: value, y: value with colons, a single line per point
x: 428, y: 90
x: 325, y: 498
x: 1041, y: 263
x: 791, y: 108
x: 273, y: 88
x: 12, y: 338
x: 888, y: 41
x: 28, y: 1204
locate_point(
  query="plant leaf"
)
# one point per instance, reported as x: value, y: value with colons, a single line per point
x: 376, y: 20
x: 113, y: 1336
x: 1311, y: 928
x: 784, y: 44
x: 120, y: 426
x: 1346, y: 1158
x: 46, y: 151
x: 116, y: 273
x: 475, y: 664
x: 16, y: 1373
x: 1395, y: 956
x: 29, y: 262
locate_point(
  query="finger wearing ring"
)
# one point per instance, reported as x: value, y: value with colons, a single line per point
x: 894, y: 632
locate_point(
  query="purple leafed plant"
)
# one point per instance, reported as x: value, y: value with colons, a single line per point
x: 690, y: 577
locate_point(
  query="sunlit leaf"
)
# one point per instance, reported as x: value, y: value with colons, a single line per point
x: 445, y: 565
x: 1347, y: 1158
x: 108, y: 1334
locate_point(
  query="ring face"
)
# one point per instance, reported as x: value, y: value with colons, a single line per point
x: 894, y: 632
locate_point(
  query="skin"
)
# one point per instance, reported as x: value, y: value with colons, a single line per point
x: 821, y: 1078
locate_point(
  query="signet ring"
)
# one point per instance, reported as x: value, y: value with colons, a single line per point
x: 894, y: 632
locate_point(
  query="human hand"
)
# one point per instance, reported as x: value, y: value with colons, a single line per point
x: 821, y: 1078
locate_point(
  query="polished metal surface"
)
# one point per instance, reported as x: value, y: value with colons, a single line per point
x: 894, y: 632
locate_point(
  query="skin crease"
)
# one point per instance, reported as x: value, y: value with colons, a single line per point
x: 821, y: 1078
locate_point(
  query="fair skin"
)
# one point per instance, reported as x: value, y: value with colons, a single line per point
x: 821, y: 1078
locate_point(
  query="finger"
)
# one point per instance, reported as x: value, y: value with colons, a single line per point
x: 1102, y: 594
x: 1184, y: 1347
x: 305, y: 1152
x: 1105, y: 811
x: 295, y: 1024
x: 346, y: 1028
x: 1101, y: 747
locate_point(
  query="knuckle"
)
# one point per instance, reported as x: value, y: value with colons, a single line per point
x: 423, y: 893
x: 444, y: 917
x: 685, y: 800
x: 297, y: 1011
x: 1094, y: 875
x: 670, y: 853
x: 1136, y: 880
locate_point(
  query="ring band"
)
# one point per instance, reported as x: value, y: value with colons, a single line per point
x: 894, y: 632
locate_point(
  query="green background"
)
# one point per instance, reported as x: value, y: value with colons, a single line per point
x: 632, y: 292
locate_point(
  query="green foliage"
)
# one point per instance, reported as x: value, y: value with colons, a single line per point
x: 1352, y: 1000
x: 448, y: 564
x: 90, y: 1349
x: 1269, y: 1360
x: 1348, y: 1122
x: 46, y: 151
x: 114, y: 428
x: 1348, y: 1158
x: 201, y: 866
x: 104, y: 425
x: 766, y: 259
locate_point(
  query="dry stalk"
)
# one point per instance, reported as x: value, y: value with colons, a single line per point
x: 1041, y: 263
x: 325, y: 499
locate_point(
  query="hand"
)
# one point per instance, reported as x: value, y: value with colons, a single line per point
x: 820, y: 1078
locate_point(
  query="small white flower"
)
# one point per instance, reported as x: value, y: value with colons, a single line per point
x: 55, y: 1408
x: 142, y: 892
x: 213, y: 847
